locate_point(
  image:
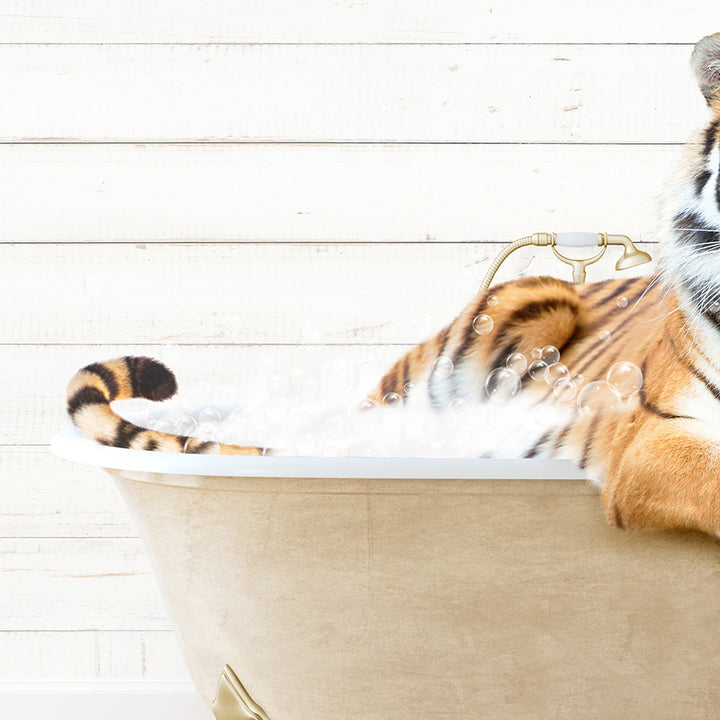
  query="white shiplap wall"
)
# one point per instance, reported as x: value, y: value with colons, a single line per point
x: 236, y: 185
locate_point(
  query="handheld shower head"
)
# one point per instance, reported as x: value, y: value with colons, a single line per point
x: 630, y: 258
x: 631, y: 255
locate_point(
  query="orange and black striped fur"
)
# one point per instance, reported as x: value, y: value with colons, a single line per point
x: 658, y: 459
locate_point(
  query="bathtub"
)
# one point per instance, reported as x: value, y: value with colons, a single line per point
x: 331, y: 589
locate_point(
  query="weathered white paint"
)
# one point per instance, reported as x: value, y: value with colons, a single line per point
x: 118, y: 700
x: 76, y: 573
x: 89, y: 655
x: 358, y: 93
x: 78, y: 584
x: 256, y: 292
x: 41, y: 496
x: 343, y: 21
x: 332, y: 193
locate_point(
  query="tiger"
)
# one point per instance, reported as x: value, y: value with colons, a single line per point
x: 655, y: 458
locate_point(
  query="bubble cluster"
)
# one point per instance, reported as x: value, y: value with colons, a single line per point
x: 322, y: 412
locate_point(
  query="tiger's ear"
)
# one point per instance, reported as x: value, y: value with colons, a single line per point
x: 705, y: 62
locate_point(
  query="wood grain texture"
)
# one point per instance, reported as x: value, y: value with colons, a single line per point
x: 310, y: 193
x: 349, y: 93
x: 111, y: 700
x: 255, y: 292
x: 43, y: 496
x: 349, y: 21
x: 90, y: 655
x: 78, y: 599
x: 78, y: 584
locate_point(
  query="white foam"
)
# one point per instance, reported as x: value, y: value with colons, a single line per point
x: 294, y: 425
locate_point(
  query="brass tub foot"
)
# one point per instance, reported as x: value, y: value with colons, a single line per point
x: 232, y: 701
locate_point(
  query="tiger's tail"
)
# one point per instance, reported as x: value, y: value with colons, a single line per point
x: 94, y: 387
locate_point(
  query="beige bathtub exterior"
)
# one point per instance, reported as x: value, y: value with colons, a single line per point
x: 453, y: 599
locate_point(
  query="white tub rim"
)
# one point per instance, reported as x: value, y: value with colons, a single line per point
x: 70, y: 444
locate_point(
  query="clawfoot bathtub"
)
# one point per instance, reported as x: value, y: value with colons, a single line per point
x: 405, y: 588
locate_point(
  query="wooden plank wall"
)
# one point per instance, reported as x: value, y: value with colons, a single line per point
x: 240, y: 188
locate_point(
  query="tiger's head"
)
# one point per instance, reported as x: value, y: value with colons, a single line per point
x: 690, y: 225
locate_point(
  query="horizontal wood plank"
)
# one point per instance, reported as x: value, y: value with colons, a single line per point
x: 377, y: 93
x: 310, y: 193
x: 42, y: 496
x: 254, y: 293
x: 78, y: 584
x: 91, y: 655
x: 111, y: 701
x: 319, y: 21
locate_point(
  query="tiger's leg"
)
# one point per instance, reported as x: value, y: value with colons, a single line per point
x: 519, y: 316
x: 667, y: 476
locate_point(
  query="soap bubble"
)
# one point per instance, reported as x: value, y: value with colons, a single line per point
x: 556, y: 372
x: 443, y: 367
x: 408, y: 387
x: 536, y: 369
x: 564, y: 389
x: 368, y: 404
x: 207, y: 430
x: 536, y: 353
x: 502, y: 385
x: 517, y: 361
x: 492, y: 300
x: 622, y: 302
x: 185, y: 425
x: 550, y: 355
x: 578, y: 379
x: 458, y: 404
x: 625, y: 377
x: 605, y: 335
x: 209, y: 447
x: 209, y: 415
x: 598, y: 396
x: 392, y: 399
x: 164, y: 425
x: 483, y: 324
